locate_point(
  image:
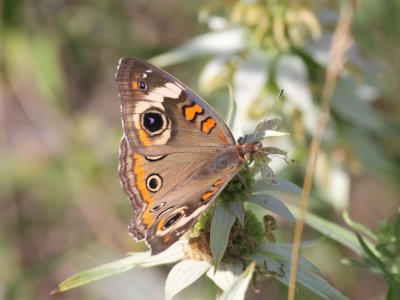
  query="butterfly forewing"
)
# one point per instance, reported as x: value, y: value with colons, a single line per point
x: 159, y: 111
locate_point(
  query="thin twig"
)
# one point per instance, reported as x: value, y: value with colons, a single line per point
x: 341, y: 41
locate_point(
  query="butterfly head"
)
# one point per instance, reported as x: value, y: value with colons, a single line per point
x: 246, y: 151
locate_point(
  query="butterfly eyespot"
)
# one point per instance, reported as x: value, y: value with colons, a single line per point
x: 154, y: 122
x: 157, y: 207
x: 139, y: 85
x: 142, y: 85
x: 154, y: 182
x: 172, y: 220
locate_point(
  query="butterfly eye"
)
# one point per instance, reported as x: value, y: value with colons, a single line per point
x: 154, y: 182
x: 172, y: 220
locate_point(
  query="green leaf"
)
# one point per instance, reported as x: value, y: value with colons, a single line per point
x: 184, y: 274
x: 307, y: 278
x: 273, y: 204
x: 389, y: 278
x: 332, y: 230
x: 140, y: 259
x: 278, y: 184
x: 269, y: 124
x: 226, y: 274
x: 284, y: 251
x: 397, y: 228
x: 238, y: 289
x: 221, y: 225
x: 358, y: 227
x: 318, y: 285
x: 265, y: 134
x: 237, y: 208
x: 223, y: 41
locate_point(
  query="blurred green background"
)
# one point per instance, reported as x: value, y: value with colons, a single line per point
x: 61, y: 206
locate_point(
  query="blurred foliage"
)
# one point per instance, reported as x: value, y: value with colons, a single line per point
x: 384, y: 258
x: 62, y: 209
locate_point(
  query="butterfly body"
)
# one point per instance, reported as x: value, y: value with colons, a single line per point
x: 176, y: 155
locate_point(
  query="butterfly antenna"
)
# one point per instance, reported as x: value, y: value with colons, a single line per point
x: 269, y: 112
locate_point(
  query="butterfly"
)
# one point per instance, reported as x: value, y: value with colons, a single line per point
x: 176, y: 154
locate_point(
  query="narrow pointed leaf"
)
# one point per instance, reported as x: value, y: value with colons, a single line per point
x: 101, y: 271
x: 172, y: 254
x: 264, y: 134
x: 317, y: 284
x: 226, y: 274
x: 238, y: 289
x: 307, y: 278
x: 238, y: 209
x: 334, y: 231
x: 284, y: 251
x: 359, y: 227
x: 221, y: 225
x: 396, y: 230
x: 184, y: 274
x: 273, y: 204
x: 270, y: 124
x: 280, y: 185
x: 389, y: 278
x: 141, y: 259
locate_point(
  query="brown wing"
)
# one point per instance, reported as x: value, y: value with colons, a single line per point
x: 169, y: 194
x: 161, y: 115
x: 176, y: 154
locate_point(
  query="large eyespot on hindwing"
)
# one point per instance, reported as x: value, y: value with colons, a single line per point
x: 154, y: 182
x: 172, y: 220
x: 154, y: 122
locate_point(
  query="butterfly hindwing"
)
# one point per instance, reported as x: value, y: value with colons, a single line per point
x: 170, y: 194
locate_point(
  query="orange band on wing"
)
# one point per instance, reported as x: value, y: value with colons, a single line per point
x: 191, y: 111
x: 215, y: 186
x: 140, y: 179
x: 143, y: 137
x: 207, y: 195
x: 207, y: 125
x: 218, y: 182
x: 160, y: 225
x: 223, y: 138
